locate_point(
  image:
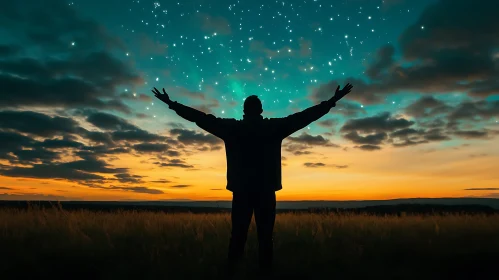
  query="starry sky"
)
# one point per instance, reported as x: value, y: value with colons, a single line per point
x: 78, y: 120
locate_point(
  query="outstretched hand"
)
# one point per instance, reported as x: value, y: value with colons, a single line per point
x: 339, y: 94
x: 162, y: 96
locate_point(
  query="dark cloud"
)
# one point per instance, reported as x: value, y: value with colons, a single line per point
x: 314, y: 164
x: 9, y: 50
x: 474, y: 111
x: 308, y: 139
x: 427, y: 106
x: 191, y: 137
x: 99, y: 137
x: 472, y: 134
x: 137, y: 189
x: 34, y: 155
x: 478, y: 155
x: 482, y: 189
x: 91, y: 164
x: 383, y: 122
x: 37, y: 123
x: 49, y: 171
x: 383, y: 62
x: 405, y: 132
x: 435, y: 134
x: 86, y: 69
x: 330, y: 123
x: 20, y: 149
x: 368, y: 147
x: 372, y: 139
x: 297, y: 149
x: 180, y: 186
x: 63, y: 143
x: 349, y: 109
x: 128, y: 178
x: 137, y: 135
x: 5, y: 188
x: 48, y: 87
x: 109, y: 122
x: 174, y: 163
x: 151, y: 147
x: 456, y: 51
x: 320, y: 164
x: 161, y: 181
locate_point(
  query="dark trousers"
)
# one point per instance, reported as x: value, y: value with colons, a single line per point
x: 243, y: 205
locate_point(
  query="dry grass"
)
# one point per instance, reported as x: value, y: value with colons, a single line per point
x: 148, y: 245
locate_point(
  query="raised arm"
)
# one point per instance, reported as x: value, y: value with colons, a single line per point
x: 208, y: 122
x: 297, y: 121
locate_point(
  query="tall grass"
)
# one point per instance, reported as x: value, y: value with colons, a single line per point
x: 150, y: 245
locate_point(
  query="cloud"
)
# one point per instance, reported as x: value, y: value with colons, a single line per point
x: 191, y: 137
x: 472, y: 134
x: 137, y: 189
x: 151, y: 147
x: 449, y: 48
x: 427, y: 106
x: 372, y: 139
x: 37, y: 124
x: 180, y: 186
x: 128, y: 178
x: 314, y: 164
x: 9, y: 50
x: 383, y: 122
x: 297, y: 149
x: 174, y: 163
x: 482, y: 189
x: 49, y: 171
x: 109, y: 122
x: 330, y: 123
x: 320, y: 164
x: 87, y: 69
x: 368, y: 147
x: 20, y: 149
x: 308, y: 139
x: 161, y: 181
x: 383, y: 61
x: 5, y: 188
x: 137, y: 135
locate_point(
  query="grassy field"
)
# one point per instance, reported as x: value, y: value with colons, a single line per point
x: 145, y: 245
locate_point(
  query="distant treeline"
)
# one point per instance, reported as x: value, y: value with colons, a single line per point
x: 399, y: 209
x: 411, y: 209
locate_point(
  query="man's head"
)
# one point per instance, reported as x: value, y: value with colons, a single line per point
x: 252, y: 106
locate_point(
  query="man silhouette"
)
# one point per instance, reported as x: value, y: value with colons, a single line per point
x: 253, y: 153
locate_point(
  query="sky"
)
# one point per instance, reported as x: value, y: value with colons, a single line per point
x: 78, y: 120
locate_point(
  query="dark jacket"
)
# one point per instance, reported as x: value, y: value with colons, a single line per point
x: 253, y: 144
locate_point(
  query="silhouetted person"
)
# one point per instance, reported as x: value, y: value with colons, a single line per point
x: 253, y: 152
